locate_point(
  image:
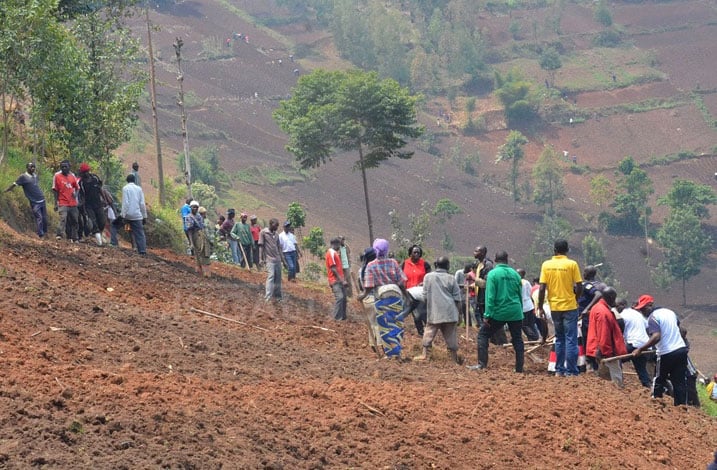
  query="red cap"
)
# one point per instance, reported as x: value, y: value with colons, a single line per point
x: 84, y: 167
x: 643, y: 300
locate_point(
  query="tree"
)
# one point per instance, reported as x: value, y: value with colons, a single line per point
x: 630, y: 203
x: 601, y: 190
x: 602, y: 15
x: 513, y: 150
x: 514, y: 93
x: 314, y: 242
x: 685, y: 245
x: 550, y: 62
x: 548, y: 180
x: 689, y: 196
x: 594, y: 255
x: 296, y: 215
x: 332, y: 112
x: 445, y: 209
x: 551, y: 228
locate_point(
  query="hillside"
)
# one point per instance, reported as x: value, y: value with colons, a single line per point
x: 107, y: 365
x: 232, y: 97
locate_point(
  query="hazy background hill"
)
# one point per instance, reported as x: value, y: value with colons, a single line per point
x: 661, y: 103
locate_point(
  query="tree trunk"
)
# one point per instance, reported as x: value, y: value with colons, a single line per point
x: 365, y: 193
x: 153, y: 100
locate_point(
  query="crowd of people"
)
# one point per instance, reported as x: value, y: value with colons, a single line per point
x: 85, y: 206
x: 588, y: 319
x: 586, y: 316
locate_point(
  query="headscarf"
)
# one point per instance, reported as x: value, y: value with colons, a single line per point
x: 368, y: 255
x: 380, y: 246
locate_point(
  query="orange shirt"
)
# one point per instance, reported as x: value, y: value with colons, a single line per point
x: 333, y: 258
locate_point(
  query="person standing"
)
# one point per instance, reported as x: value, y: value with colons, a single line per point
x: 592, y: 293
x: 367, y: 301
x: 225, y: 231
x: 290, y: 249
x: 345, y: 253
x: 415, y: 268
x: 196, y: 228
x: 134, y: 212
x: 560, y: 276
x: 530, y: 327
x: 185, y: 211
x: 503, y: 305
x: 443, y: 297
x: 385, y: 280
x: 135, y: 172
x: 664, y: 331
x: 92, y: 202
x: 65, y: 187
x: 255, y: 231
x: 337, y: 278
x: 635, y: 335
x: 241, y: 234
x: 605, y: 338
x: 30, y: 184
x: 271, y: 256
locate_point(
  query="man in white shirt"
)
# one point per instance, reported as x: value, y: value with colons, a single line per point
x: 134, y: 212
x: 635, y: 334
x: 290, y: 249
x: 663, y: 327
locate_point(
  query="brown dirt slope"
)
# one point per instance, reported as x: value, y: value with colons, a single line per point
x: 106, y: 366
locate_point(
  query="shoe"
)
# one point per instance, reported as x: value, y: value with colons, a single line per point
x: 476, y: 367
x: 58, y: 237
x: 559, y: 374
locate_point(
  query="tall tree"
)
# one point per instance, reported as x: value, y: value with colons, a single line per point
x: 513, y: 91
x: 630, y: 203
x: 548, y: 180
x: 333, y: 112
x: 686, y: 246
x: 512, y: 150
x: 686, y: 195
x: 550, y: 62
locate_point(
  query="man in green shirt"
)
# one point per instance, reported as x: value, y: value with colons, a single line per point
x: 503, y: 305
x: 241, y: 232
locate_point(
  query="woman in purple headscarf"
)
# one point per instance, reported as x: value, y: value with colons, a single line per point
x: 384, y: 279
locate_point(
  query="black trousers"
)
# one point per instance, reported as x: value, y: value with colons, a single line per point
x: 516, y: 338
x: 672, y: 367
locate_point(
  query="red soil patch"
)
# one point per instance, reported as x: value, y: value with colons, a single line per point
x: 133, y: 379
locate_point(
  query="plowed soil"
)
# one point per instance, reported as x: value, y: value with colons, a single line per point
x: 105, y: 364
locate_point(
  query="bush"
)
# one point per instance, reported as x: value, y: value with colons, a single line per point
x: 164, y: 229
x: 608, y: 38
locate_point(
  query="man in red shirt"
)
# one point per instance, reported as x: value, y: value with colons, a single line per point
x: 605, y: 337
x: 337, y: 280
x: 65, y: 186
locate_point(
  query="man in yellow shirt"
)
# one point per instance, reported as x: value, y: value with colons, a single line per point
x: 561, y: 277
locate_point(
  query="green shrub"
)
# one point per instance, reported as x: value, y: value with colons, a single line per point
x: 608, y: 38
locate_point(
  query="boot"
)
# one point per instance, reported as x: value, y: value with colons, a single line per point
x: 426, y: 355
x: 453, y: 355
x: 98, y: 237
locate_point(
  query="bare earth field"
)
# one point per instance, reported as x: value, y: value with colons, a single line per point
x: 105, y: 365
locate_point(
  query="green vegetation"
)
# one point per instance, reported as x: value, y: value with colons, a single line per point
x: 707, y: 405
x: 296, y: 215
x: 314, y: 242
x: 630, y: 204
x: 284, y: 175
x: 513, y: 91
x: 706, y: 114
x: 602, y: 14
x: 513, y: 150
x: 548, y: 180
x: 334, y: 112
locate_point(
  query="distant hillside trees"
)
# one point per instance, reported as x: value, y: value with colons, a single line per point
x: 602, y: 15
x: 513, y: 151
x: 349, y: 111
x: 550, y: 62
x: 685, y: 246
x: 513, y: 91
x: 632, y: 213
x: 684, y: 241
x: 548, y: 182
